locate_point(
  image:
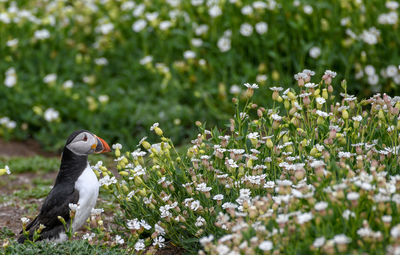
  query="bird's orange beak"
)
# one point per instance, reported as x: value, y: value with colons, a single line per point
x: 101, y: 146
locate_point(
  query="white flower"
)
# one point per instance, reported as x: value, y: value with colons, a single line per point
x: 261, y: 78
x: 199, y: 222
x: 42, y: 34
x: 253, y: 135
x: 391, y: 71
x: 101, y: 61
x: 370, y: 36
x: 151, y: 16
x: 88, y: 236
x: 139, y: 245
x: 357, y: 118
x: 246, y: 29
x: 139, y: 25
x: 50, y: 114
x: 319, y: 242
x: 196, y: 42
x: 218, y: 197
x: 11, y: 77
x: 103, y: 98
x: 265, y: 245
x: 347, y: 213
x: 116, y: 146
x: 106, y: 180
x: 189, y: 54
x: 68, y: 84
x: 224, y: 44
x: 145, y: 60
x: 12, y: 43
x: 96, y: 211
x: 164, y: 25
x: 119, y: 239
x: 392, y: 5
x: 251, y: 86
x: 341, y: 239
x: 154, y: 126
x: 320, y: 100
x: 201, y: 29
x: 7, y: 168
x: 320, y: 206
x: 353, y: 196
x: 373, y: 79
x: 308, y: 9
x: 315, y: 52
x: 159, y: 241
x: 387, y: 218
x: 322, y: 114
x: 50, y: 78
x: 215, y: 11
x: 206, y: 240
x: 235, y: 89
x: 197, y: 2
x: 73, y: 207
x: 261, y: 27
x: 304, y: 217
x: 202, y: 187
x: 133, y: 224
x: 247, y: 10
x: 24, y: 220
x: 105, y: 28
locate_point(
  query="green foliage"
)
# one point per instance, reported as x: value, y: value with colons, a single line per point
x: 31, y: 164
x: 118, y: 92
x: 69, y: 247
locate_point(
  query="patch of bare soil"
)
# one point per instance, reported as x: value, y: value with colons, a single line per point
x: 26, y: 148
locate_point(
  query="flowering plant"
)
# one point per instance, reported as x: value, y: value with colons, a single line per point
x: 313, y: 173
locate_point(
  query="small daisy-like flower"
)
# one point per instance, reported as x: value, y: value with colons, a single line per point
x: 276, y: 88
x: 320, y: 100
x: 119, y: 239
x: 352, y: 196
x: 154, y: 126
x: 319, y: 242
x: 97, y: 211
x: 159, y: 241
x: 117, y: 146
x: 24, y: 220
x: 88, y: 236
x: 251, y: 86
x: 266, y: 245
x: 218, y: 197
x: 73, y: 207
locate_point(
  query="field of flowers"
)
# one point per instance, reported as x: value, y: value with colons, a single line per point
x: 314, y: 173
x: 116, y: 66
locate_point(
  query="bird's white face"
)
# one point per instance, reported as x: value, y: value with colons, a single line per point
x: 83, y: 144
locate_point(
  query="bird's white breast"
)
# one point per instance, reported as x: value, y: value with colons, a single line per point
x: 88, y: 187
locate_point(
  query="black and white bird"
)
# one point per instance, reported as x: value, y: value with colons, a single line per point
x: 76, y: 183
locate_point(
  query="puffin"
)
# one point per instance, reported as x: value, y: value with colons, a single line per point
x: 76, y: 183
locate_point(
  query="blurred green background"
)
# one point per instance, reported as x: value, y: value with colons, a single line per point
x: 116, y: 67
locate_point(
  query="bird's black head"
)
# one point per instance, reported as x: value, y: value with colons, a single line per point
x: 83, y: 143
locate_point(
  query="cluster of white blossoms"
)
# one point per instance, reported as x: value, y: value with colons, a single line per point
x: 277, y: 177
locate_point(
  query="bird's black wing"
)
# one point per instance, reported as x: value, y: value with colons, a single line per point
x: 56, y: 204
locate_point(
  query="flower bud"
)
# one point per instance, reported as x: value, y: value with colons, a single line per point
x: 146, y: 145
x: 158, y: 131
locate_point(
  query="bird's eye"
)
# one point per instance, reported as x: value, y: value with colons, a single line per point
x: 85, y: 138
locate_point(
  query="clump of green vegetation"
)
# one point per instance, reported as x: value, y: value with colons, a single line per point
x: 81, y: 247
x: 313, y: 173
x: 112, y: 67
x: 33, y: 164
